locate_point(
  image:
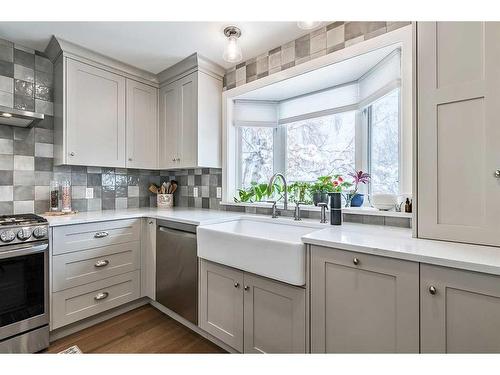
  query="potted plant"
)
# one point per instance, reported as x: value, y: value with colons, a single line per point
x: 299, y: 192
x: 320, y: 189
x: 353, y: 198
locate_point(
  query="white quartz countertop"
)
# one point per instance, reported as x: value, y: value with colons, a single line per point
x: 195, y: 216
x: 398, y: 243
x: 386, y: 241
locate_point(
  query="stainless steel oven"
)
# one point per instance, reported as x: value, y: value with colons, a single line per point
x: 24, y: 299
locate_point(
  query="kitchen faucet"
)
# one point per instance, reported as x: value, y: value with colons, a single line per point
x: 270, y: 187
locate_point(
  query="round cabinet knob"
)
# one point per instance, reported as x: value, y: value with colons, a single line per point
x: 129, y: 159
x: 173, y: 159
x: 40, y: 232
x: 497, y: 173
x: 246, y: 287
x: 7, y: 236
x: 355, y: 261
x: 236, y: 285
x: 72, y: 154
x: 432, y: 290
x: 24, y: 234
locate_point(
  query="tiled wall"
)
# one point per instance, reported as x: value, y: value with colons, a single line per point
x: 26, y: 154
x: 327, y: 39
x: 25, y: 79
x: 402, y: 222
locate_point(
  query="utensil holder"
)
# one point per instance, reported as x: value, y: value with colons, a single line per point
x: 165, y: 200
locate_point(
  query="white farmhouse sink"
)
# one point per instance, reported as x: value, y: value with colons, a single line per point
x: 270, y: 248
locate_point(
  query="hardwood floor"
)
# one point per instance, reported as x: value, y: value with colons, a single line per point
x: 143, y: 330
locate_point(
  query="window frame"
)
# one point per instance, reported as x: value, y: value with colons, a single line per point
x: 367, y: 119
x: 362, y: 139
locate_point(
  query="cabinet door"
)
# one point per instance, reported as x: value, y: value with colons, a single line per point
x: 275, y: 316
x: 148, y: 258
x: 142, y: 125
x: 461, y: 314
x: 169, y: 125
x: 458, y: 154
x: 362, y: 303
x: 188, y: 124
x: 221, y: 303
x: 95, y: 122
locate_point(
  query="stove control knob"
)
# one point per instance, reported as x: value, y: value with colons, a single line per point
x: 24, y: 234
x: 7, y: 236
x: 40, y: 232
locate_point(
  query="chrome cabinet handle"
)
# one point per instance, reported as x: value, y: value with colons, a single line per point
x: 129, y: 159
x: 101, y: 263
x: 178, y: 159
x: 236, y: 285
x: 101, y: 234
x: 150, y: 222
x: 355, y: 261
x: 101, y: 296
x: 497, y: 173
x: 71, y: 153
x: 173, y: 159
x: 246, y: 287
x: 432, y: 290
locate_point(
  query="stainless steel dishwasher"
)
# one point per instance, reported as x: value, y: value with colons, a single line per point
x: 177, y: 268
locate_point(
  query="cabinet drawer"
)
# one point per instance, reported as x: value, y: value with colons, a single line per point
x: 71, y: 305
x: 87, y: 236
x: 86, y: 266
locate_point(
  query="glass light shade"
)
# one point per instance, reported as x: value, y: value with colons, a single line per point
x: 232, y: 51
x: 308, y: 25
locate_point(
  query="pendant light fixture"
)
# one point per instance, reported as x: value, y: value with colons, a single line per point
x: 232, y: 50
x: 308, y: 25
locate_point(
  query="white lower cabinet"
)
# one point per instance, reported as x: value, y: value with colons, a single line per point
x: 96, y: 267
x: 363, y: 303
x: 459, y: 311
x: 250, y: 313
x: 71, y: 305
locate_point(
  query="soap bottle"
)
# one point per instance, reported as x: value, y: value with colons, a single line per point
x: 407, y: 205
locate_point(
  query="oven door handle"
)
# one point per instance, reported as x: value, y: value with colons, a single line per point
x: 24, y: 250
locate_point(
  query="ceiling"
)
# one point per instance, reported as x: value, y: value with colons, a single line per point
x: 153, y: 46
x: 331, y: 75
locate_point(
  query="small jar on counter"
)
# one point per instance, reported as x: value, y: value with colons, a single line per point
x: 66, y: 196
x: 54, y: 196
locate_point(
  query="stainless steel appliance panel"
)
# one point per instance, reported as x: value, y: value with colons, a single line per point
x: 177, y: 269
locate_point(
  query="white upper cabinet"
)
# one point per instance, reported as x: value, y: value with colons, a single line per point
x: 458, y: 153
x: 95, y: 116
x: 142, y: 125
x: 110, y: 114
x: 190, y: 116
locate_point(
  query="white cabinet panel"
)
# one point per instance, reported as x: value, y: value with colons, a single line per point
x: 363, y: 303
x: 168, y: 129
x: 458, y: 153
x: 190, y: 122
x: 462, y: 314
x: 142, y: 125
x: 95, y: 116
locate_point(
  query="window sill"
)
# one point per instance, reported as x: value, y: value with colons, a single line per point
x: 370, y: 211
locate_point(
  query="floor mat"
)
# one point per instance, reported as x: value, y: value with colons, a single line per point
x: 72, y: 350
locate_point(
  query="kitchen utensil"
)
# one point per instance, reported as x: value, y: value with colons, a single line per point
x: 153, y: 189
x: 174, y: 185
x: 167, y: 187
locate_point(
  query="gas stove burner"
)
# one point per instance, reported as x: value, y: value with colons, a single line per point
x: 21, y: 219
x: 16, y: 229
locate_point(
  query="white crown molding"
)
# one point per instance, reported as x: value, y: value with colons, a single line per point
x: 58, y: 46
x: 190, y: 64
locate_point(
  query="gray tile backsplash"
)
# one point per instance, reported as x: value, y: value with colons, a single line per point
x: 26, y: 155
x: 330, y: 38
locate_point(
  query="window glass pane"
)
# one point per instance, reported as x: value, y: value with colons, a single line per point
x: 256, y: 154
x: 384, y: 140
x: 320, y: 146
